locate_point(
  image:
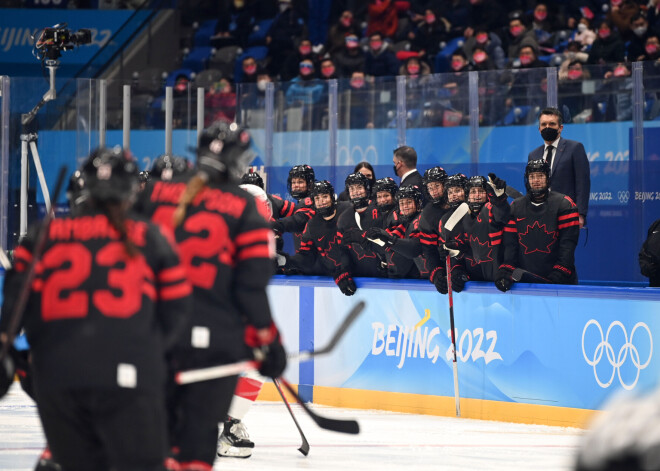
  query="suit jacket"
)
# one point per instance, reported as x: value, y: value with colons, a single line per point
x: 413, y: 179
x: 570, y: 172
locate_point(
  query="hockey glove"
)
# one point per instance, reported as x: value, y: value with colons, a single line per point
x: 496, y: 186
x: 377, y: 233
x: 439, y: 279
x: 346, y: 284
x: 454, y: 248
x: 560, y: 275
x: 267, y: 349
x: 353, y: 236
x: 503, y: 279
x: 278, y: 227
x: 647, y: 265
x: 458, y: 279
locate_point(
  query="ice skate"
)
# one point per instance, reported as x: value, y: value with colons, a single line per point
x: 234, y: 441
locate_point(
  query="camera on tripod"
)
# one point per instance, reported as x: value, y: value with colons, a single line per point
x: 50, y: 42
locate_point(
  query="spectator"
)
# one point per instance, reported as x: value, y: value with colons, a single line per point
x: 620, y: 15
x: 649, y: 255
x: 571, y: 76
x: 382, y: 18
x: 528, y: 57
x: 380, y: 60
x: 613, y: 100
x: 220, y: 102
x: 480, y: 59
x: 415, y: 68
x: 290, y: 69
x: 305, y: 89
x: 249, y: 67
x: 351, y: 58
x: 431, y: 31
x: 516, y: 35
x: 234, y: 24
x: 287, y: 27
x: 608, y: 46
x: 459, y: 62
x: 365, y: 169
x: 490, y: 43
x: 638, y: 34
x: 346, y: 26
x: 542, y: 233
x: 568, y: 166
x: 544, y: 25
x: 457, y: 13
x: 359, y: 100
x: 405, y: 166
x: 651, y: 48
x: 328, y: 69
x: 584, y: 34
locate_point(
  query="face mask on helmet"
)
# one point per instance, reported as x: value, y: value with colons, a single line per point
x: 409, y: 202
x: 455, y: 189
x: 224, y: 151
x: 536, y: 188
x: 323, y: 193
x: 111, y: 175
x: 436, y: 192
x: 477, y: 195
x: 385, y: 190
x: 358, y: 187
x: 306, y: 174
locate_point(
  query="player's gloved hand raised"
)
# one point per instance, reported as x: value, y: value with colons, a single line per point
x: 267, y: 349
x: 503, y: 279
x: 353, y: 236
x: 496, y: 186
x: 439, y: 279
x: 458, y: 279
x: 560, y: 275
x: 377, y: 233
x: 346, y: 283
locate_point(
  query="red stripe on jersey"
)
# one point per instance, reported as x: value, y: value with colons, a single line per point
x: 568, y: 216
x: 22, y: 254
x: 510, y: 229
x: 287, y: 209
x: 496, y: 242
x: 149, y: 290
x: 258, y: 251
x: 174, y: 292
x: 170, y: 275
x: 495, y: 234
x: 568, y: 224
x: 248, y: 388
x: 252, y: 237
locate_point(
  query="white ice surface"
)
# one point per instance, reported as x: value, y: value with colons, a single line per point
x: 387, y: 441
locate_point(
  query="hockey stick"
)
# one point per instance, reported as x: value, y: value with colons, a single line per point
x: 512, y: 192
x: 518, y: 274
x: 456, y: 216
x: 453, y: 336
x: 359, y: 225
x: 213, y: 372
x: 24, y: 292
x: 4, y: 260
x: 336, y: 425
x: 304, y: 448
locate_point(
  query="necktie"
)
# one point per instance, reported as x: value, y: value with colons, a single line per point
x: 548, y: 156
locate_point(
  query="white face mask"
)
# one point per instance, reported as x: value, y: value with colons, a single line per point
x: 261, y: 85
x: 640, y: 31
x: 283, y: 7
x: 582, y: 27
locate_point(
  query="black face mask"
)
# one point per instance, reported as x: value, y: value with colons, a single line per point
x: 549, y: 134
x: 394, y: 167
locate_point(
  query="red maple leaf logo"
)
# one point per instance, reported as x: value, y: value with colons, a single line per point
x: 537, y: 238
x: 333, y: 248
x: 477, y: 254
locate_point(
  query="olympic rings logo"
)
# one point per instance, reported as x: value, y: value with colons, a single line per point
x: 620, y: 359
x: 624, y: 196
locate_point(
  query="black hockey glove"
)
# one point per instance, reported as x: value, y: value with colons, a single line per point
x: 278, y: 226
x: 346, y: 284
x: 454, y: 248
x: 560, y: 275
x: 7, y: 371
x: 503, y: 279
x: 377, y: 233
x: 647, y: 264
x: 439, y: 279
x: 353, y: 236
x: 496, y: 187
x: 267, y: 349
x: 458, y: 279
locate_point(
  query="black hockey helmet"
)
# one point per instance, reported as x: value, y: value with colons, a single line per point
x: 435, y: 174
x: 252, y: 178
x: 358, y: 178
x: 111, y: 174
x: 165, y: 167
x: 144, y: 177
x: 534, y: 166
x: 306, y: 173
x: 76, y: 193
x: 476, y: 182
x: 324, y: 187
x: 456, y: 181
x: 386, y: 184
x: 224, y: 151
x: 410, y: 192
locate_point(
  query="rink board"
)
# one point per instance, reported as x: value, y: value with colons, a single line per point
x: 537, y: 354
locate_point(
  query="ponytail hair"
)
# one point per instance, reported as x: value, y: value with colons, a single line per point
x: 195, y: 185
x: 116, y: 214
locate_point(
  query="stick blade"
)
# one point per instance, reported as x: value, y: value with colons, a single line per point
x: 517, y: 274
x: 304, y: 448
x: 456, y: 216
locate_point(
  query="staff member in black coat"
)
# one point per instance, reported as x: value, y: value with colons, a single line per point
x: 405, y: 166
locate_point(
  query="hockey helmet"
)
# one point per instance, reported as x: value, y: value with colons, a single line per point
x: 76, y: 193
x: 166, y: 167
x: 537, y: 166
x: 324, y: 187
x: 435, y: 174
x: 224, y: 151
x: 306, y: 173
x: 385, y: 184
x: 358, y: 178
x: 456, y: 181
x: 410, y: 192
x: 111, y: 174
x: 253, y: 178
x: 476, y: 182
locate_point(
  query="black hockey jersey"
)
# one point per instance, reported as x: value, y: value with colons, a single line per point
x: 540, y: 238
x: 96, y: 317
x: 281, y: 208
x: 228, y: 246
x: 363, y: 259
x: 295, y: 224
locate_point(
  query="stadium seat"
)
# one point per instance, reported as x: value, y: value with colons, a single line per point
x: 198, y: 58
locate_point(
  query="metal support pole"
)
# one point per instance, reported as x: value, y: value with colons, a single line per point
x: 22, y: 230
x: 270, y: 122
x: 4, y: 159
x: 200, y: 110
x: 401, y: 116
x: 638, y: 111
x: 103, y: 110
x: 126, y: 141
x: 551, y: 74
x: 332, y: 126
x: 473, y: 103
x: 169, y: 113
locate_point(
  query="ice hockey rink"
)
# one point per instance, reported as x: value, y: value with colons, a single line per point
x: 387, y: 441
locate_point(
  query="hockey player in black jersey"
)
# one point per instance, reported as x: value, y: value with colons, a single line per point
x: 281, y: 208
x: 361, y: 258
x: 542, y: 233
x: 478, y: 242
x: 166, y: 167
x: 299, y: 183
x: 109, y: 300
x: 384, y: 191
x: 319, y: 247
x: 228, y: 247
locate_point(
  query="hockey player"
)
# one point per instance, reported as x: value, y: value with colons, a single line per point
x: 385, y: 191
x: 281, y: 208
x: 542, y: 232
x: 319, y: 247
x: 228, y: 246
x: 478, y: 248
x: 166, y: 167
x: 98, y: 351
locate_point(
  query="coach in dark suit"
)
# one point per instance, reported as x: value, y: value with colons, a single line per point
x: 405, y: 166
x: 569, y: 166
